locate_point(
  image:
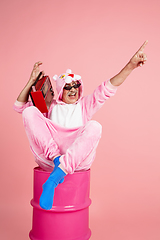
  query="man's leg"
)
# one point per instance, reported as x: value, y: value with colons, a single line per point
x: 81, y: 152
x: 79, y: 155
x: 40, y: 132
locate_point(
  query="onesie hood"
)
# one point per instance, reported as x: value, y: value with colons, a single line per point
x: 64, y: 78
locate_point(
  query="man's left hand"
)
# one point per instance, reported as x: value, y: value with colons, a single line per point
x: 139, y: 59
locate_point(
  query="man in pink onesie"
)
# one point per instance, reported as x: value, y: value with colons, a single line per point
x: 65, y: 139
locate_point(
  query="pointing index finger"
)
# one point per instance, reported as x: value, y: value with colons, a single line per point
x: 143, y: 46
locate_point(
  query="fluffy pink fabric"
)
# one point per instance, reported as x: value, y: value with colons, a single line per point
x: 77, y: 145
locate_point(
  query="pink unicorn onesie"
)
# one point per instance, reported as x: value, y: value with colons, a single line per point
x: 65, y: 139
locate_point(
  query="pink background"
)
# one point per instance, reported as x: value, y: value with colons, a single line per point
x: 95, y: 38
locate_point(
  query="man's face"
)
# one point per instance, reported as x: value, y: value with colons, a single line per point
x: 70, y: 96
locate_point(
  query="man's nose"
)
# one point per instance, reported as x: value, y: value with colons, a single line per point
x: 72, y: 89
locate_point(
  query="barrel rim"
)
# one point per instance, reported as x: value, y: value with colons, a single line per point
x: 39, y: 169
x: 62, y: 208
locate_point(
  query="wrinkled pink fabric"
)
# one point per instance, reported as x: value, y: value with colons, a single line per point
x: 78, y: 145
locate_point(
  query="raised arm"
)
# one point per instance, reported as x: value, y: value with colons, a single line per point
x: 24, y: 94
x: 138, y: 60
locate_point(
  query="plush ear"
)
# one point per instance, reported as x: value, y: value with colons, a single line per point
x: 68, y: 71
x: 55, y: 77
x: 77, y: 77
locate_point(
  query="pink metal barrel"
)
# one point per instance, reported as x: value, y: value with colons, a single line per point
x: 69, y: 217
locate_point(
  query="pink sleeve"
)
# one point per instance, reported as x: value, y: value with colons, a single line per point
x: 20, y: 106
x: 92, y: 103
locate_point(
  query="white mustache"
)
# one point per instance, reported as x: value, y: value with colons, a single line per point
x: 72, y: 93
